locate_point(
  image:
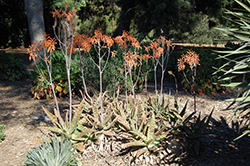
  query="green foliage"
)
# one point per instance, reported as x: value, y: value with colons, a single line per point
x: 2, y: 129
x: 184, y: 20
x: 202, y: 33
x: 41, y: 88
x: 99, y: 14
x: 77, y: 4
x: 175, y: 18
x: 113, y: 78
x: 11, y: 68
x: 52, y: 152
x: 237, y: 66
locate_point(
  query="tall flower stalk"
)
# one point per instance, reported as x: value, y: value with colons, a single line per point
x: 81, y: 42
x: 192, y: 59
x: 102, y: 44
x: 44, y: 53
x: 66, y: 22
x: 159, y: 51
x: 130, y: 47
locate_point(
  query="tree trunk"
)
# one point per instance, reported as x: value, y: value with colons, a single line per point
x: 34, y: 11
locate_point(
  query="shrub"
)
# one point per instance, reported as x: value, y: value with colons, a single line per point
x: 112, y: 76
x: 41, y: 88
x: 11, y: 68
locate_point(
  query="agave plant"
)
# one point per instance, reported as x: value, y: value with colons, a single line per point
x: 177, y: 119
x: 101, y: 125
x: 196, y: 129
x: 147, y: 135
x: 2, y: 129
x: 52, y: 152
x: 238, y: 61
x: 77, y: 131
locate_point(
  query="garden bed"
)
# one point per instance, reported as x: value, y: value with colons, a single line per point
x: 23, y: 115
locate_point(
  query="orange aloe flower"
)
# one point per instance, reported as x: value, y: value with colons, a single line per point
x: 32, y: 50
x: 99, y: 37
x: 83, y: 42
x: 181, y: 63
x: 191, y: 58
x: 126, y: 39
x: 157, y: 46
x: 49, y: 43
x: 132, y: 59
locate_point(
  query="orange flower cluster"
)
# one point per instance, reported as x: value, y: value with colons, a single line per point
x: 126, y: 39
x: 162, y: 40
x: 132, y: 59
x: 190, y: 58
x: 48, y: 44
x: 157, y: 47
x: 70, y: 15
x: 99, y: 37
x: 32, y: 50
x: 82, y: 41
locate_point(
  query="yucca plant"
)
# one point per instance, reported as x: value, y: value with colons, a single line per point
x: 52, y: 152
x: 237, y: 66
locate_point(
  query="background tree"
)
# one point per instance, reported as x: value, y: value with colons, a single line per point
x: 184, y: 20
x: 99, y: 14
x: 34, y: 11
x: 13, y: 24
x: 180, y: 18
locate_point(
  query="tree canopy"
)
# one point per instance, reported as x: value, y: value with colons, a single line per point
x: 183, y: 20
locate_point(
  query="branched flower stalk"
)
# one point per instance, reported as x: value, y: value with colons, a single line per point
x: 82, y: 42
x: 66, y: 23
x: 164, y: 59
x: 102, y: 44
x: 146, y: 57
x: 44, y: 53
x: 130, y: 47
x: 192, y: 59
x: 160, y: 49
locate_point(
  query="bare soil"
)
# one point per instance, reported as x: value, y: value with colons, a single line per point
x: 23, y: 115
